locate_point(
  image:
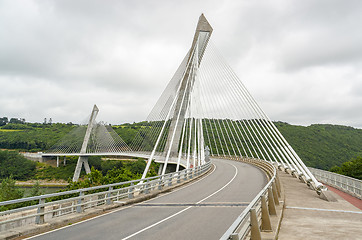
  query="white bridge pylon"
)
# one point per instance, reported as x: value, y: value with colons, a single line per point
x: 89, y: 140
x: 206, y: 104
x: 205, y: 107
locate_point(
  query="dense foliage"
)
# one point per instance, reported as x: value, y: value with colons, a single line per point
x: 122, y: 170
x: 352, y: 168
x: 323, y: 145
x: 127, y: 172
x: 32, y: 137
x: 8, y: 191
x: 15, y: 165
x: 320, y: 145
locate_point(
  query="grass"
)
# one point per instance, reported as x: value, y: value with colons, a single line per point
x: 10, y: 130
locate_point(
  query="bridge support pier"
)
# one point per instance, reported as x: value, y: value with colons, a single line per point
x: 84, y: 159
x: 81, y: 160
x: 160, y: 169
x: 271, y: 203
x: 255, y: 229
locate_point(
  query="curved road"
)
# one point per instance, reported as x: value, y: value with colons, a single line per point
x: 201, y: 210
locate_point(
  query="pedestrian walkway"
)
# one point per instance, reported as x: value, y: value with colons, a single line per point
x: 306, y: 216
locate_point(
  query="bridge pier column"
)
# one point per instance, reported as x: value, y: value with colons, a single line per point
x: 179, y: 177
x: 160, y: 184
x: 130, y: 191
x: 160, y: 169
x: 109, y: 194
x: 147, y: 187
x: 265, y: 218
x: 40, y: 218
x: 80, y: 201
x: 81, y: 160
x: 277, y: 184
x: 271, y: 204
x: 275, y: 194
x: 255, y: 229
x: 170, y: 180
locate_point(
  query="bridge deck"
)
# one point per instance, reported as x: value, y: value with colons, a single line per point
x: 306, y: 216
x: 203, y: 210
x: 158, y: 158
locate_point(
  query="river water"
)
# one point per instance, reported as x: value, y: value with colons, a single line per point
x: 44, y: 190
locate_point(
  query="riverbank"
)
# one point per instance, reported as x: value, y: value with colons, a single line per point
x: 42, y: 183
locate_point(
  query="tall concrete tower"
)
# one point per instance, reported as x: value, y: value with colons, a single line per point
x: 201, y: 38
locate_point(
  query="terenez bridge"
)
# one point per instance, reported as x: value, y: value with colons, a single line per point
x: 210, y: 136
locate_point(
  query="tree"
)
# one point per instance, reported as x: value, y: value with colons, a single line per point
x: 16, y: 120
x: 15, y: 165
x: 8, y: 191
x: 352, y: 168
x: 36, y: 190
x: 3, y: 121
x: 138, y: 167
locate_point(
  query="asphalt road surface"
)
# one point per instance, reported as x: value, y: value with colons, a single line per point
x: 203, y: 209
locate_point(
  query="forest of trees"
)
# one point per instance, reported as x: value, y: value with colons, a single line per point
x: 320, y: 145
x: 13, y: 166
x: 323, y: 145
x: 351, y: 168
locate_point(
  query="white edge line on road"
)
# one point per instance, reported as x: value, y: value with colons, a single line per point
x: 121, y: 209
x: 183, y: 210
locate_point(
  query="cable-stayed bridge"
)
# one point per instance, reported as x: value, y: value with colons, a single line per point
x: 205, y: 115
x: 204, y: 106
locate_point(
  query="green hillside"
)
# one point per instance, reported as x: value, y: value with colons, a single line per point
x: 319, y: 145
x: 323, y: 145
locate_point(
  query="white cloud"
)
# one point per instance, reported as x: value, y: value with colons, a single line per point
x: 300, y: 59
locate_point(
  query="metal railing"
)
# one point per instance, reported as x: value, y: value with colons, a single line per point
x: 256, y: 216
x: 76, y: 201
x: 346, y: 184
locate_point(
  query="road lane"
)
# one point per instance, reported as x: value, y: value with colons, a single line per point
x: 231, y: 182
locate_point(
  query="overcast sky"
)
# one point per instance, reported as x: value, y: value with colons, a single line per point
x: 301, y: 60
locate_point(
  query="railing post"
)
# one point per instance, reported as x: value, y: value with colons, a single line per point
x: 170, y: 179
x: 108, y: 202
x: 160, y: 183
x: 272, y: 209
x: 185, y: 176
x: 255, y: 230
x: 265, y: 218
x: 191, y: 172
x: 275, y: 194
x: 147, y: 187
x: 80, y: 200
x: 40, y: 218
x: 279, y: 188
x: 179, y: 177
x: 130, y: 191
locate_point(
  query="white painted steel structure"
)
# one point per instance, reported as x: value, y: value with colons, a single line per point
x: 204, y: 107
x: 206, y: 104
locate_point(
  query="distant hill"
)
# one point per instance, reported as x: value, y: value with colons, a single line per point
x: 323, y: 145
x: 319, y: 145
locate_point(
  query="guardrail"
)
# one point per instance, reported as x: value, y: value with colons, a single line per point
x: 256, y: 219
x: 87, y: 198
x: 346, y: 184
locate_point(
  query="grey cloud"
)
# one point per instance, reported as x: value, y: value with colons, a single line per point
x: 300, y: 59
